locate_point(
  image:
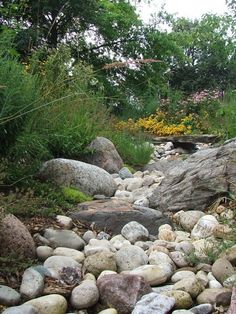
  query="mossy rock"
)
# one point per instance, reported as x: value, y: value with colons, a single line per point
x: 74, y: 195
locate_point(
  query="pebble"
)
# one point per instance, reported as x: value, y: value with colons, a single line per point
x: 21, y: 309
x: 204, y: 227
x: 85, y: 295
x: 190, y: 285
x: 134, y: 231
x: 189, y: 219
x: 97, y: 246
x: 64, y: 238
x: 9, y: 296
x: 210, y: 295
x: 64, y: 221
x: 222, y: 269
x: 88, y: 235
x: 75, y: 254
x: 109, y: 311
x: 182, y: 274
x: 99, y: 262
x: 58, y: 262
x: 50, y: 304
x: 206, y: 308
x: 43, y: 252
x: 32, y: 284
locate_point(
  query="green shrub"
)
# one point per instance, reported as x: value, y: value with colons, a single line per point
x: 73, y: 195
x: 135, y: 151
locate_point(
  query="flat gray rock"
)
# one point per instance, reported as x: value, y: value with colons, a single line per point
x: 112, y: 215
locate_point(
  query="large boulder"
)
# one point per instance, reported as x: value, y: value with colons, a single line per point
x: 198, y: 181
x: 88, y: 178
x: 104, y: 155
x: 113, y: 214
x: 15, y: 238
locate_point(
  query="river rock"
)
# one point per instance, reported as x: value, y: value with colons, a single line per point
x: 43, y: 252
x: 154, y: 303
x: 182, y: 274
x: 230, y: 254
x: 204, y: 227
x: 210, y: 295
x: 88, y: 178
x: 102, y: 153
x: 183, y: 299
x: 230, y: 282
x: 190, y: 285
x: 32, y: 284
x: 109, y: 311
x: 21, y: 309
x: 159, y: 258
x: 15, y: 238
x: 179, y: 258
x: 125, y: 173
x: 130, y: 257
x: 75, y: 254
x: 8, y: 296
x: 64, y: 221
x: 97, y: 246
x: 85, y: 295
x: 64, y: 238
x: 222, y: 269
x: 134, y: 231
x: 122, y: 291
x: 58, y: 262
x: 50, y: 304
x: 206, y: 308
x: 99, y: 262
x: 189, y: 219
x: 153, y: 274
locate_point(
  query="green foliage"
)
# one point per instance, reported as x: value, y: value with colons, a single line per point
x: 19, y: 92
x: 135, y: 151
x: 74, y: 196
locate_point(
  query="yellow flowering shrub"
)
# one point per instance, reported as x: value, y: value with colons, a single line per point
x: 157, y: 124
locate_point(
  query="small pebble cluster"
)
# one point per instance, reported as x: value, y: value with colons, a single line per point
x: 132, y: 272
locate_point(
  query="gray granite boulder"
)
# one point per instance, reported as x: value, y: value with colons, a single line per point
x: 88, y: 178
x: 199, y: 180
x: 104, y: 155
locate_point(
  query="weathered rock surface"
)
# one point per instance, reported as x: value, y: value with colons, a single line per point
x: 154, y: 303
x: 64, y: 238
x: 96, y: 263
x: 15, y: 238
x: 201, y: 178
x: 8, y: 296
x: 88, y: 178
x: 21, y: 309
x: 113, y: 214
x: 50, y: 304
x: 104, y: 155
x: 85, y: 295
x: 122, y: 291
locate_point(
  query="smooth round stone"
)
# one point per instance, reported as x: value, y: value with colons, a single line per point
x: 43, y: 252
x: 64, y: 221
x: 32, y: 284
x: 124, y: 195
x: 179, y: 258
x: 109, y: 311
x: 222, y: 269
x: 154, y: 303
x: 118, y: 241
x: 78, y: 256
x: 89, y: 276
x: 202, y: 309
x: 50, y: 304
x: 190, y: 285
x: 185, y: 247
x: 85, y: 295
x: 107, y: 272
x: 58, y: 262
x: 182, y: 274
x: 130, y: 257
x: 153, y: 274
x: 125, y: 173
x: 189, y: 219
x: 99, y: 262
x: 8, y: 296
x: 162, y: 289
x: 211, y: 295
x: 64, y: 238
x: 182, y: 236
x: 96, y: 246
x: 166, y: 235
x: 88, y: 235
x: 158, y: 248
x: 230, y: 254
x: 157, y: 258
x: 134, y: 231
x: 183, y: 299
x: 204, y: 227
x: 21, y: 309
x: 202, y: 278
